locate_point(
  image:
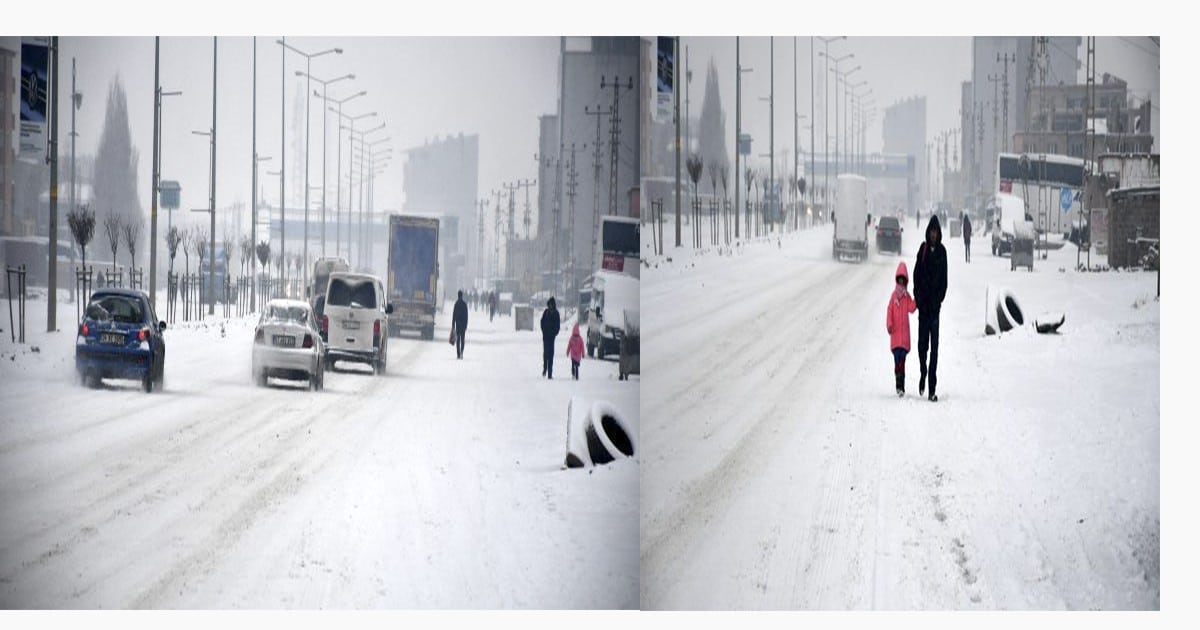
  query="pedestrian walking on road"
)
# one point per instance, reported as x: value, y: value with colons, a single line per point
x: 550, y: 326
x: 900, y: 306
x: 575, y: 351
x: 929, y: 289
x: 491, y: 305
x: 459, y: 324
x: 966, y: 227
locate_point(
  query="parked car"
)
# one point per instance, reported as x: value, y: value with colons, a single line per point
x: 355, y: 320
x: 120, y: 337
x: 288, y: 345
x: 888, y: 234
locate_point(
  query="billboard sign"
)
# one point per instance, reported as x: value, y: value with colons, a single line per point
x: 35, y: 91
x: 666, y: 74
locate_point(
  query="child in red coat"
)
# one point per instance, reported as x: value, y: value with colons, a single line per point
x: 575, y: 351
x: 900, y: 305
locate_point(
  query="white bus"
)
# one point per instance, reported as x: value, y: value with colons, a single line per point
x: 1049, y: 184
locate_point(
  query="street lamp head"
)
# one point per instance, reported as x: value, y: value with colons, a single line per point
x: 337, y: 50
x: 300, y: 73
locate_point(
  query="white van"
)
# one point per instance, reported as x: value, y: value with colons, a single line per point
x: 1006, y: 210
x: 612, y: 295
x: 355, y: 320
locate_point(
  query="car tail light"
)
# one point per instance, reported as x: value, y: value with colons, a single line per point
x: 143, y: 334
x: 83, y: 330
x: 325, y: 323
x: 377, y: 328
x: 258, y: 336
x: 308, y: 341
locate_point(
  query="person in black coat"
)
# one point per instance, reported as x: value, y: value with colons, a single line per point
x: 460, y: 324
x: 929, y: 289
x: 550, y: 326
x: 966, y: 227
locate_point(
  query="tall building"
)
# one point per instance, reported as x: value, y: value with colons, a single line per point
x: 904, y: 134
x: 596, y: 73
x: 547, y: 178
x: 1057, y: 113
x: 990, y: 113
x: 442, y: 178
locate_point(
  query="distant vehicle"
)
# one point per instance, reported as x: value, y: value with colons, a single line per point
x: 1005, y: 211
x: 888, y: 234
x: 1040, y: 180
x: 585, y: 302
x: 412, y: 273
x: 120, y: 337
x: 620, y: 240
x: 355, y: 320
x: 288, y: 345
x: 850, y: 218
x: 219, y: 272
x: 324, y: 266
x: 504, y: 303
x: 612, y: 295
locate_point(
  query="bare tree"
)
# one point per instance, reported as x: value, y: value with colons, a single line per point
x: 723, y: 175
x: 133, y: 233
x: 112, y: 230
x: 82, y: 220
x: 188, y: 237
x: 227, y: 249
x: 695, y: 167
x: 246, y: 251
x: 174, y: 237
x: 200, y: 244
x: 263, y: 251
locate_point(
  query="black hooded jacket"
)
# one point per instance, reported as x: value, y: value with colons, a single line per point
x: 550, y: 321
x: 929, y: 274
x: 460, y: 314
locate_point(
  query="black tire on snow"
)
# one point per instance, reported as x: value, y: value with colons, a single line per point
x: 1008, y: 312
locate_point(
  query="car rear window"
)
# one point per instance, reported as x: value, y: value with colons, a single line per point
x: 287, y: 313
x: 889, y: 222
x: 353, y: 293
x: 118, y: 308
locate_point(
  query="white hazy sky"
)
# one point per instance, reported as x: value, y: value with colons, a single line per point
x: 894, y: 68
x: 420, y: 87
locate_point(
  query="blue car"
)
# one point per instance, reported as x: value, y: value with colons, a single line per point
x: 120, y: 337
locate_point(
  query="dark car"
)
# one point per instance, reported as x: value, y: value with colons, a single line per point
x: 887, y: 234
x: 121, y: 338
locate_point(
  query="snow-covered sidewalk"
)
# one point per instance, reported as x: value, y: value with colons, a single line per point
x: 781, y: 471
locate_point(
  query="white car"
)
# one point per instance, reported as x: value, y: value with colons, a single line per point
x: 287, y: 344
x: 355, y: 320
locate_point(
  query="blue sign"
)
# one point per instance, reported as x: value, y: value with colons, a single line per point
x: 1066, y: 198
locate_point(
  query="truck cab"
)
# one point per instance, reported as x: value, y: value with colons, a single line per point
x: 613, y: 294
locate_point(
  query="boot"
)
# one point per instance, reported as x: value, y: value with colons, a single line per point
x: 921, y: 385
x: 900, y: 384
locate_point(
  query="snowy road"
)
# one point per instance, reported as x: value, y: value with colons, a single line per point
x: 779, y: 470
x: 437, y: 485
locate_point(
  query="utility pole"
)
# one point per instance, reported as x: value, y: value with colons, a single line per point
x: 76, y: 101
x: 283, y: 159
x: 253, y: 166
x: 526, y: 184
x: 737, y: 153
x: 52, y: 253
x: 675, y: 91
x: 614, y: 120
x: 1089, y: 141
x: 153, y: 177
x: 596, y: 169
x: 496, y: 244
x: 812, y: 118
x: 480, y: 238
x: 995, y: 79
x: 212, y: 197
x: 572, y: 187
x: 771, y: 142
x: 1005, y: 58
x: 687, y: 102
x: 795, y: 126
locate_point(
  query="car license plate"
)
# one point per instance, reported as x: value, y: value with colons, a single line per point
x: 117, y: 339
x: 283, y: 341
x: 350, y: 324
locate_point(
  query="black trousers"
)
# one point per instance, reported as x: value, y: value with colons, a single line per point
x: 927, y: 340
x: 548, y: 357
x: 967, y: 244
x: 460, y: 341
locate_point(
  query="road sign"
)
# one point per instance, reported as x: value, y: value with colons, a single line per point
x: 744, y: 144
x: 1066, y: 198
x: 168, y: 193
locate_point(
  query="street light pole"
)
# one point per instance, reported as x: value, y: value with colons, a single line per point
x: 350, y: 182
x: 153, y: 177
x: 825, y: 124
x: 324, y: 145
x: 212, y: 196
x: 254, y: 168
x: 307, y: 118
x: 338, y: 206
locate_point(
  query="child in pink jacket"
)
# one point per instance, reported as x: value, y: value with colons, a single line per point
x: 575, y: 351
x: 900, y: 305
